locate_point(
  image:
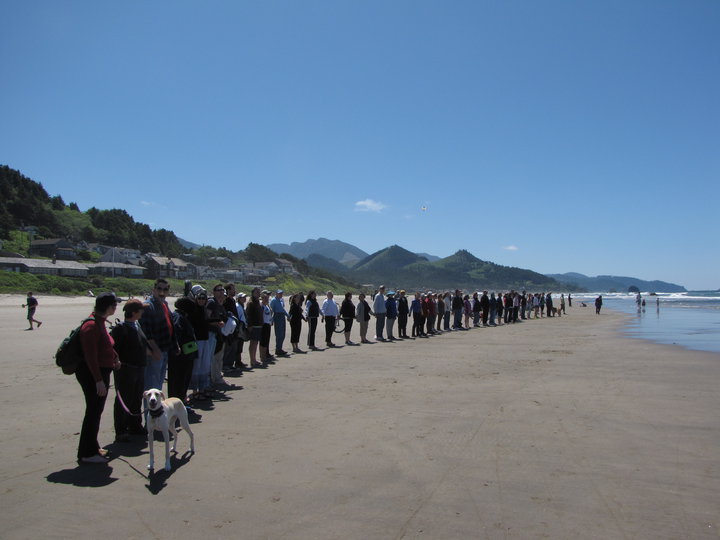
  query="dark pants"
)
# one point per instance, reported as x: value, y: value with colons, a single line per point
x: 230, y: 353
x: 129, y: 383
x: 312, y: 328
x: 485, y: 312
x: 295, y: 327
x: 549, y: 310
x: 430, y: 324
x: 402, y: 324
x: 417, y: 328
x: 379, y: 325
x: 179, y: 373
x: 458, y: 318
x: 265, y: 336
x: 329, y: 329
x: 94, y: 405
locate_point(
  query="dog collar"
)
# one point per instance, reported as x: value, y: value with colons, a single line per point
x: 157, y: 413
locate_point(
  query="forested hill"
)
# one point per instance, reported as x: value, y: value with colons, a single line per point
x: 24, y: 201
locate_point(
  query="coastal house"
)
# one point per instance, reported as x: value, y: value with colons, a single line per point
x: 116, y: 269
x: 121, y: 255
x: 264, y: 269
x: 167, y: 267
x: 44, y: 266
x: 230, y: 274
x: 285, y: 266
x: 219, y: 262
x: 57, y: 248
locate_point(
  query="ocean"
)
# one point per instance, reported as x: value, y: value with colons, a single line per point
x: 690, y: 319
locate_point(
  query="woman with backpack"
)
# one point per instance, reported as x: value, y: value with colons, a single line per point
x: 93, y: 374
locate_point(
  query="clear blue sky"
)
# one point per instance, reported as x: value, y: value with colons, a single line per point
x: 557, y: 136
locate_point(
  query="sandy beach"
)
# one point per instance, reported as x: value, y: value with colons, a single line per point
x: 551, y: 428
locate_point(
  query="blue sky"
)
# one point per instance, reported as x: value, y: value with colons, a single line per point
x: 557, y: 136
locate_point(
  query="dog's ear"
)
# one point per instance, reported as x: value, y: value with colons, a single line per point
x: 146, y: 393
x: 162, y: 395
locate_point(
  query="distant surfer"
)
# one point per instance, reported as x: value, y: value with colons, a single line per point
x: 598, y: 304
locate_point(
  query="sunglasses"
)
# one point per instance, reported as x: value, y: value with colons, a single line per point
x: 219, y: 290
x: 166, y: 289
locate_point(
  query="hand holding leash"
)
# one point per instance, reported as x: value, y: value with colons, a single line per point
x: 101, y: 388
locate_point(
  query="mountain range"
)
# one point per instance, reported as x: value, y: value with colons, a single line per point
x: 395, y: 266
x: 616, y: 283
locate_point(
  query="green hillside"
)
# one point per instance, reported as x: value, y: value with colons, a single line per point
x: 24, y: 202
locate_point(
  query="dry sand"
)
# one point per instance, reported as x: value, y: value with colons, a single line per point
x: 555, y: 428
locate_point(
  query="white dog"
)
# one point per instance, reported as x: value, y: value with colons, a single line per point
x: 161, y: 416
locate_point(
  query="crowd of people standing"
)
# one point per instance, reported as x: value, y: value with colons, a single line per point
x: 204, y: 338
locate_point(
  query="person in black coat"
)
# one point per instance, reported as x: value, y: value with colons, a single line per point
x: 403, y: 309
x: 180, y: 364
x: 132, y: 349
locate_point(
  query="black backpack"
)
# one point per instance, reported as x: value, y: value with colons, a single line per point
x: 69, y: 353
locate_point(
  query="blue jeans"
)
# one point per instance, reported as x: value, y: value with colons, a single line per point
x: 279, y: 323
x: 379, y: 325
x: 446, y: 320
x: 458, y: 318
x: 155, y: 372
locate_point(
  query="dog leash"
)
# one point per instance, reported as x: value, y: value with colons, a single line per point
x: 120, y: 399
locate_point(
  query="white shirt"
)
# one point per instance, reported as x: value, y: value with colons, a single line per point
x: 379, y: 304
x: 329, y: 308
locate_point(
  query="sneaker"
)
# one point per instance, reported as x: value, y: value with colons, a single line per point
x: 97, y: 458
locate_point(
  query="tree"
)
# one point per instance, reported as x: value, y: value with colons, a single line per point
x: 259, y: 253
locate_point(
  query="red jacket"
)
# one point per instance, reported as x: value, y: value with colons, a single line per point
x: 97, y: 346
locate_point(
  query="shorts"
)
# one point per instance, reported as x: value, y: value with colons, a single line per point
x: 255, y: 333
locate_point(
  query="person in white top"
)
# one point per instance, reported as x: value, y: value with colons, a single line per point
x: 329, y: 312
x: 380, y: 312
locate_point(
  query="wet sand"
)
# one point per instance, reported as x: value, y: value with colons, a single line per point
x: 555, y: 428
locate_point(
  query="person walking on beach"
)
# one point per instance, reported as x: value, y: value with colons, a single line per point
x: 93, y: 374
x: 562, y: 303
x: 31, y: 303
x: 329, y: 312
x: 156, y: 324
x: 598, y: 304
x: 549, y: 304
x: 380, y: 312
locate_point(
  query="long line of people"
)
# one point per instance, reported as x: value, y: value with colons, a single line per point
x: 203, y: 340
